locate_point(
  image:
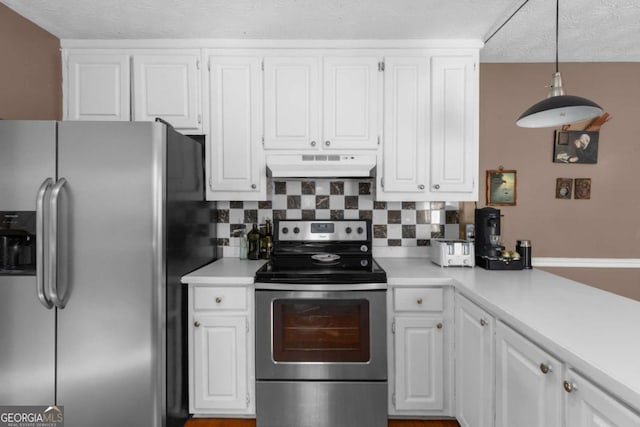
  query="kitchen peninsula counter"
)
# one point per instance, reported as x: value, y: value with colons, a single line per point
x: 595, y: 332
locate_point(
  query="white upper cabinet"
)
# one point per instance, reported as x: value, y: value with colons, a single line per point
x: 430, y: 128
x: 97, y: 87
x: 321, y: 102
x: 235, y: 159
x: 351, y: 102
x: 168, y: 86
x: 454, y: 127
x: 292, y: 99
x: 406, y: 101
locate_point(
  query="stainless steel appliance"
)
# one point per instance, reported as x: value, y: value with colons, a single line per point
x: 97, y: 326
x: 321, y: 353
x: 452, y: 253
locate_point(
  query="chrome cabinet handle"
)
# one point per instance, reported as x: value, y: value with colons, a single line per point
x: 327, y: 143
x: 439, y: 325
x: 436, y: 187
x: 52, y: 281
x: 421, y: 187
x: 545, y: 369
x: 483, y: 322
x: 568, y: 386
x: 41, y: 226
x: 196, y: 324
x: 218, y: 300
x: 419, y: 301
x: 253, y: 186
x: 313, y: 143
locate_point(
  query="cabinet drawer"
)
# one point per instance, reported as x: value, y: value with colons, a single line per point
x: 214, y: 298
x: 418, y: 299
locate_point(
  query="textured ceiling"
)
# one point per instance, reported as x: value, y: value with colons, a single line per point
x: 590, y: 30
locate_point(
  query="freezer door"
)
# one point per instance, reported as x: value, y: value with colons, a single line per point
x: 27, y: 329
x: 110, y: 333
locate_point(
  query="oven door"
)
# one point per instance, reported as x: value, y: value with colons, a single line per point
x: 321, y: 335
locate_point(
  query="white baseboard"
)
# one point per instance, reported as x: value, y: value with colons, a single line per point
x: 586, y: 262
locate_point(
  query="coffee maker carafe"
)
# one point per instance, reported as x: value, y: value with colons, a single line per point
x: 489, y: 251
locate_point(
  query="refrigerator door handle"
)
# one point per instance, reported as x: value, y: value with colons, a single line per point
x: 41, y: 226
x: 52, y: 279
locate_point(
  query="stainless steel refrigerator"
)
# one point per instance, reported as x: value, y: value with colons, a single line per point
x: 98, y: 221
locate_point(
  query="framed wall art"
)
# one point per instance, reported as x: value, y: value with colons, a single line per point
x: 579, y: 146
x: 501, y: 187
x: 564, y: 188
x: 582, y: 188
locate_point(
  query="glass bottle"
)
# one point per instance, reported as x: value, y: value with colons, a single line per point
x: 244, y: 246
x: 253, y: 238
x: 266, y: 241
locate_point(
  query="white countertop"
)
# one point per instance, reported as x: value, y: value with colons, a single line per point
x: 596, y: 332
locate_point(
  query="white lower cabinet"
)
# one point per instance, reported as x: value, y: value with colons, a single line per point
x: 475, y: 364
x: 420, y: 351
x: 589, y: 406
x: 221, y: 369
x: 528, y: 382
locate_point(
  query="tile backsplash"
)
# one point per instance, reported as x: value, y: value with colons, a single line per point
x: 408, y: 224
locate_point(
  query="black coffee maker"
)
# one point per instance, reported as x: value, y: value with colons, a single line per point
x: 489, y: 251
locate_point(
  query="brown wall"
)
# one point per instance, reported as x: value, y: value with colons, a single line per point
x: 31, y: 73
x: 607, y: 225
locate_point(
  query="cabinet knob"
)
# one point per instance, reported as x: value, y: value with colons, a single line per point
x: 313, y: 143
x: 419, y: 301
x: 421, y: 187
x: 218, y: 300
x: 483, y: 322
x: 196, y: 324
x: 327, y: 143
x: 568, y: 386
x: 545, y: 369
x: 439, y: 326
x: 436, y: 187
x: 253, y: 186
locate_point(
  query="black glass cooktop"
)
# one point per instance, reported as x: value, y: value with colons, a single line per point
x: 324, y: 271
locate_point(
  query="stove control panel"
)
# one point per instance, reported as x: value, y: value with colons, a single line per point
x: 340, y: 231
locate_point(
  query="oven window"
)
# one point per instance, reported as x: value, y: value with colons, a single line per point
x: 320, y: 330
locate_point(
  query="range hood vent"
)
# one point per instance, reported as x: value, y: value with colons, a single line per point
x: 321, y: 165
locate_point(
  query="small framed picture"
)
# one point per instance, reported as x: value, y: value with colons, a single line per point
x: 501, y: 187
x: 575, y: 147
x: 564, y: 187
x: 582, y: 188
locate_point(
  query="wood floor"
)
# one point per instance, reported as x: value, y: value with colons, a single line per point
x: 208, y: 422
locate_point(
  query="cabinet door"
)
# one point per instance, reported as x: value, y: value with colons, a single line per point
x: 454, y: 127
x: 528, y: 383
x: 351, y: 103
x: 292, y: 103
x: 589, y: 406
x: 235, y: 157
x: 406, y: 136
x: 168, y: 86
x: 97, y: 87
x: 220, y: 362
x: 419, y: 358
x: 474, y: 364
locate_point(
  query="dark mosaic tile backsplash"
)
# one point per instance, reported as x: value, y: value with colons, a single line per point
x: 394, y: 223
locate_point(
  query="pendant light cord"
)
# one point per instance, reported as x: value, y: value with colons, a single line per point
x: 509, y: 19
x: 557, y: 31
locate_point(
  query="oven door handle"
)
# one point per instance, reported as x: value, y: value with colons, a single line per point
x: 323, y: 287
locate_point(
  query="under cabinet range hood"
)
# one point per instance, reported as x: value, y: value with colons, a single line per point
x: 321, y: 165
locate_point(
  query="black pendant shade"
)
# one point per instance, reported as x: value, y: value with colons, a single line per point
x: 559, y: 110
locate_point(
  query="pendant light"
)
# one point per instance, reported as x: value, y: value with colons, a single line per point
x: 558, y: 109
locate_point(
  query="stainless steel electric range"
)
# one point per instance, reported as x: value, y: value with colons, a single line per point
x: 321, y: 353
